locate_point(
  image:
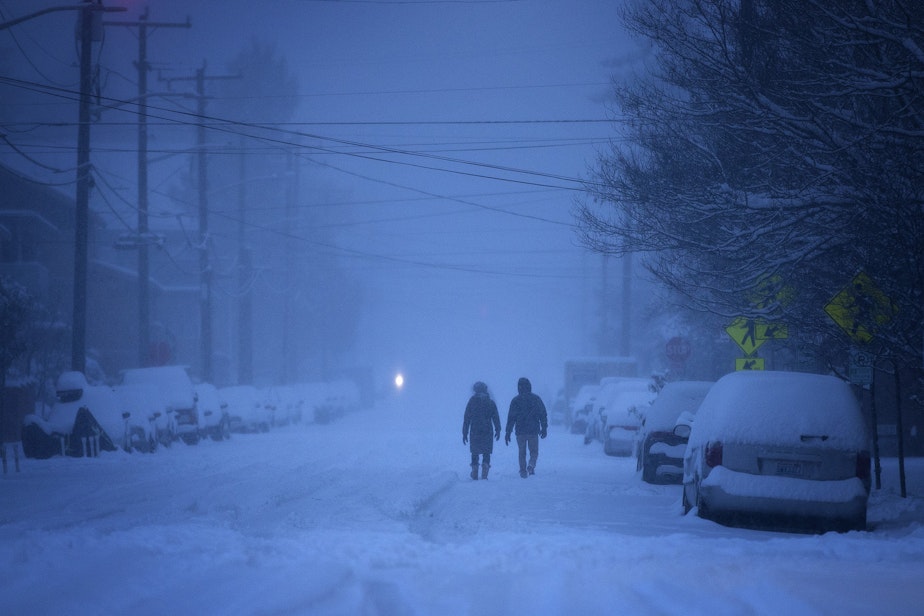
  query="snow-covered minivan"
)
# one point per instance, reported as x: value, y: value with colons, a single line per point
x: 779, y: 444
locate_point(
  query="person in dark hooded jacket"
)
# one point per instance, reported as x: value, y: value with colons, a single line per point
x: 527, y: 414
x: 481, y: 422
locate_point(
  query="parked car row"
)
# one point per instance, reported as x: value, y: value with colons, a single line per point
x: 618, y: 407
x: 757, y: 446
x: 157, y: 406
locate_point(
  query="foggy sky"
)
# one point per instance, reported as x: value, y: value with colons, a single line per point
x: 465, y: 276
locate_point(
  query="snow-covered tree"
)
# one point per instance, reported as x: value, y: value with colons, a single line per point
x: 774, y: 150
x: 15, y: 308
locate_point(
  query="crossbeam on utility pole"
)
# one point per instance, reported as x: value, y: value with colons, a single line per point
x: 144, y: 266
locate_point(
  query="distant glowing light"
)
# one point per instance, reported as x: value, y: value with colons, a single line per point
x: 399, y: 381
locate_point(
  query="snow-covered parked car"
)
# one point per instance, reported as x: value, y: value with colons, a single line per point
x: 141, y: 405
x: 246, y: 409
x: 295, y: 403
x: 340, y: 397
x: 616, y: 417
x: 345, y: 395
x: 214, y: 421
x: 623, y: 419
x: 581, y: 407
x: 283, y: 402
x: 83, y: 420
x: 177, y: 396
x: 311, y: 400
x: 782, y: 444
x: 660, y: 450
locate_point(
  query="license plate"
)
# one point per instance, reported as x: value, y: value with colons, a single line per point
x: 790, y: 469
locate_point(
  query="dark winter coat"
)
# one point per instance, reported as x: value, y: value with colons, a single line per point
x: 527, y: 412
x: 481, y: 423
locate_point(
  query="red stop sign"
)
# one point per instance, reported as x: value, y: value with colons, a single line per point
x: 678, y: 349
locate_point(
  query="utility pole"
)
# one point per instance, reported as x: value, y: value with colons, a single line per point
x: 289, y: 344
x: 82, y: 200
x: 625, y: 341
x: 604, y: 344
x: 144, y: 267
x: 245, y: 305
x: 205, y: 266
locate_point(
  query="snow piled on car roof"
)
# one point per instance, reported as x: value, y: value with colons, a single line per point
x: 172, y: 381
x: 675, y: 398
x: 780, y: 408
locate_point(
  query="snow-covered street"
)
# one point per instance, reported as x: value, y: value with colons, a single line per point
x: 376, y: 514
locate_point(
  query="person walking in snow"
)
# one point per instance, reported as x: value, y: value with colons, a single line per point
x: 527, y: 414
x: 481, y: 422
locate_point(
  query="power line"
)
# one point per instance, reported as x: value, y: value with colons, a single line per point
x: 235, y: 127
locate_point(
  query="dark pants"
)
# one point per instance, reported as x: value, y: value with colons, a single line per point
x: 485, y: 459
x: 532, y: 440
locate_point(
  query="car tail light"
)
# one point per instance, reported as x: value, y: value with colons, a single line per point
x: 714, y: 454
x: 863, y: 470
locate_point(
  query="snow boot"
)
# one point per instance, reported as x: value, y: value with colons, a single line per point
x: 530, y: 470
x: 474, y: 471
x: 484, y: 470
x: 523, y: 474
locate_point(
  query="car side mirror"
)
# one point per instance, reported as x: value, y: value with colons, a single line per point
x: 682, y: 430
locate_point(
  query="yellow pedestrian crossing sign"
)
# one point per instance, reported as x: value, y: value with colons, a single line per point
x: 861, y: 308
x: 749, y: 334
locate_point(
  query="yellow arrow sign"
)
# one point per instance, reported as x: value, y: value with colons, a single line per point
x: 860, y: 308
x: 749, y: 363
x: 772, y: 331
x: 749, y: 334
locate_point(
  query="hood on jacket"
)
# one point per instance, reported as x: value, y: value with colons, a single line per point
x: 524, y: 386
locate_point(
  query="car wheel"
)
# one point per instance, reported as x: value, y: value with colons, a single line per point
x: 858, y: 523
x: 701, y: 508
x: 221, y: 432
x: 649, y: 473
x: 686, y: 502
x: 191, y: 439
